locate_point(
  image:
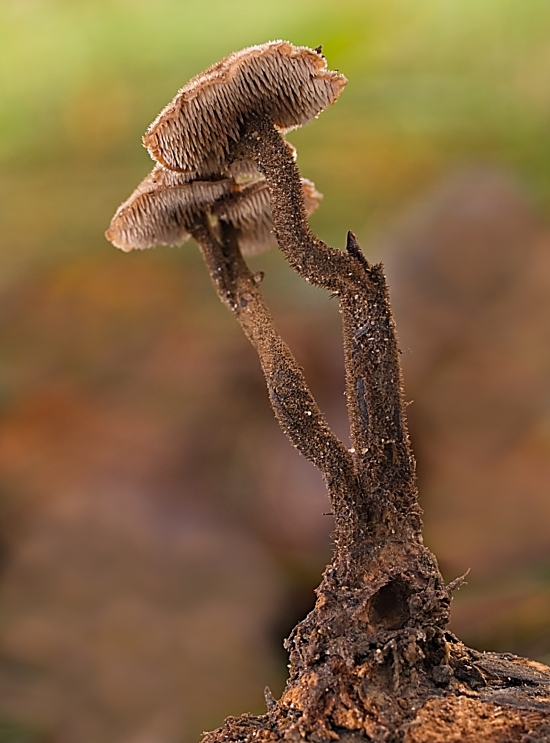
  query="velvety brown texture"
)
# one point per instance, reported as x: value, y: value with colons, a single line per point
x: 249, y: 212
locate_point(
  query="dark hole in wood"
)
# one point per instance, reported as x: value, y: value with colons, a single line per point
x: 389, y: 608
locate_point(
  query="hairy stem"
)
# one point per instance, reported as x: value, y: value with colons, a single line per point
x: 374, y: 389
x: 293, y: 404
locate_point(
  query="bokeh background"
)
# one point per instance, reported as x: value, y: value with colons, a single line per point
x: 158, y: 535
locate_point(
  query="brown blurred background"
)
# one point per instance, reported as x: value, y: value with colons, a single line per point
x: 159, y: 536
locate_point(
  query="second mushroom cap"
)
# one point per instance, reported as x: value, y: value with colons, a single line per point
x: 164, y: 208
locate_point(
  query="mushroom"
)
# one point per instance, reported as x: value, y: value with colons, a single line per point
x: 161, y: 209
x: 377, y: 634
x: 249, y: 212
x: 165, y: 207
x: 195, y: 140
x: 197, y: 132
x: 219, y: 195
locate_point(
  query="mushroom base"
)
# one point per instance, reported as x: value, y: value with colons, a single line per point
x: 406, y: 687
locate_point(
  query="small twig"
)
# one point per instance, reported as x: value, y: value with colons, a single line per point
x: 457, y: 583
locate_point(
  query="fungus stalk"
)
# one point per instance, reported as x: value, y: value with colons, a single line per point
x: 293, y: 404
x: 373, y: 660
x: 374, y: 389
x: 387, y: 510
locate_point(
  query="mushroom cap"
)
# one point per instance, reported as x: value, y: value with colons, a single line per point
x: 164, y: 207
x: 196, y: 132
x: 249, y: 211
x: 161, y: 209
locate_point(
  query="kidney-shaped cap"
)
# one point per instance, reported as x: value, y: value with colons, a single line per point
x: 249, y: 211
x: 289, y: 85
x: 161, y: 209
x: 164, y: 207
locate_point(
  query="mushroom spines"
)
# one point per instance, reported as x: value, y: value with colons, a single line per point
x: 196, y: 131
x: 195, y: 141
x: 161, y: 210
x: 248, y: 210
x: 165, y: 207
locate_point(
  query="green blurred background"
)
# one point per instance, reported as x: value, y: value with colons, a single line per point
x: 159, y: 537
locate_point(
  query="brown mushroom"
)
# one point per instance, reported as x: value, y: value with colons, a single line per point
x: 249, y: 212
x: 164, y: 207
x: 161, y: 209
x: 373, y: 658
x: 288, y: 85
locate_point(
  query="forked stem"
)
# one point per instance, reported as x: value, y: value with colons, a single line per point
x: 293, y: 404
x: 374, y: 388
x: 382, y: 579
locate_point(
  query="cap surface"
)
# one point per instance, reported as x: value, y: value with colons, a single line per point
x: 288, y: 84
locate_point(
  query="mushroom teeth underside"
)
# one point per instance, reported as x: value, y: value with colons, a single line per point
x: 196, y: 132
x: 164, y: 207
x: 161, y: 210
x: 194, y: 139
